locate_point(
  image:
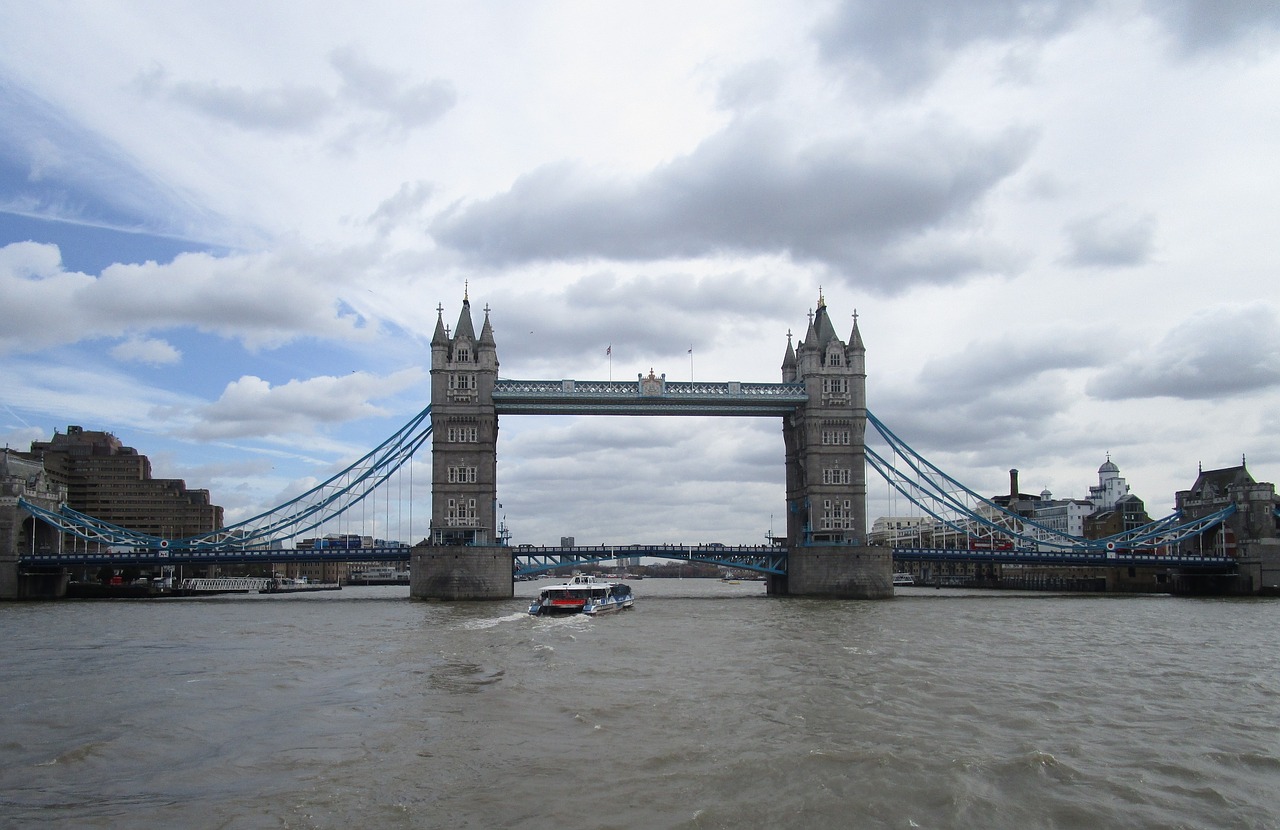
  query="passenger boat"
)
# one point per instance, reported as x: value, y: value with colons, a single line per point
x: 378, y: 576
x: 584, y: 594
x: 903, y: 579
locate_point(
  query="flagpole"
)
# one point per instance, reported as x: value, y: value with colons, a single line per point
x: 609, y: 354
x: 691, y: 364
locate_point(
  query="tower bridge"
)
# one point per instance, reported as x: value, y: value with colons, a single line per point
x: 821, y: 401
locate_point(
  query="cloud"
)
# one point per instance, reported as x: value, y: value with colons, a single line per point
x: 401, y: 207
x: 1222, y: 352
x: 305, y: 109
x: 259, y: 299
x: 857, y: 206
x: 146, y: 350
x: 376, y: 89
x: 755, y: 83
x: 252, y: 407
x: 1006, y: 363
x: 1199, y: 26
x: 1105, y: 240
x: 52, y: 167
x: 278, y: 109
x: 547, y: 328
x: 904, y: 45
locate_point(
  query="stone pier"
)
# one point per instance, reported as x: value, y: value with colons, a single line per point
x: 836, y: 572
x: 460, y: 572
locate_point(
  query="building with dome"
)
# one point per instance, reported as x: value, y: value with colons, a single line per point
x: 1111, y: 486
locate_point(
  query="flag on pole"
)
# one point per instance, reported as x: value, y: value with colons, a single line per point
x: 609, y: 350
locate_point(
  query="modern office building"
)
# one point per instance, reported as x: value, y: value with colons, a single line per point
x: 112, y: 482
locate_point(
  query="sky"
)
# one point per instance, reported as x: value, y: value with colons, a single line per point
x: 226, y: 229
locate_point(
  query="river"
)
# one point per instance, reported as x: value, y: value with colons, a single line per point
x: 709, y: 705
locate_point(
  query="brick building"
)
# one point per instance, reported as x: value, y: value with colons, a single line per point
x: 112, y: 482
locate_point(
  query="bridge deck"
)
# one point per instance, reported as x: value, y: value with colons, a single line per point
x: 765, y: 558
x: 647, y: 396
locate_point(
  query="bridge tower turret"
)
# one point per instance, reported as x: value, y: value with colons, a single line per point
x: 826, y: 468
x: 464, y: 557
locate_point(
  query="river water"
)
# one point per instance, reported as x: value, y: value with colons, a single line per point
x: 709, y: 705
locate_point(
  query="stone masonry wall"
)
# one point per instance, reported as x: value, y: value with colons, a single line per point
x: 840, y: 572
x: 461, y: 573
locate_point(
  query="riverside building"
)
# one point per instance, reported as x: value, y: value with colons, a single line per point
x: 112, y: 482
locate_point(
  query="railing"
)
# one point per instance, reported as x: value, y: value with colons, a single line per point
x: 208, y: 556
x: 1091, y: 558
x: 227, y: 583
x: 587, y: 388
x: 763, y: 558
x: 653, y: 396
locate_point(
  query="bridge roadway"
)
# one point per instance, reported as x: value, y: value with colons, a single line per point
x: 534, y: 559
x: 646, y: 396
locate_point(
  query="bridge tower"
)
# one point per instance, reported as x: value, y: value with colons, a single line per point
x: 462, y: 558
x: 23, y: 478
x: 826, y: 469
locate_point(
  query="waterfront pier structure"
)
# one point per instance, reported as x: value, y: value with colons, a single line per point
x: 821, y: 401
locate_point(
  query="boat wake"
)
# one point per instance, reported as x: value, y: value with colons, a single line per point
x: 480, y: 625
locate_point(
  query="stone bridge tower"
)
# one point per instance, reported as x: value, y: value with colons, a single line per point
x: 23, y: 479
x: 827, y: 469
x: 462, y: 558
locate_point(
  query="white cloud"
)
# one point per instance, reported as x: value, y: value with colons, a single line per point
x: 261, y: 300
x: 147, y: 350
x: 251, y: 406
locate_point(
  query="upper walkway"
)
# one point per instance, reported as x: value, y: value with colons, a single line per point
x: 646, y: 396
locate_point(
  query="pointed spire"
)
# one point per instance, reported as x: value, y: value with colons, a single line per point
x: 441, y: 337
x: 789, y: 359
x: 465, y: 327
x: 855, y: 336
x: 486, y: 331
x: 822, y: 323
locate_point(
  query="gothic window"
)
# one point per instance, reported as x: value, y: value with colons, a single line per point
x: 462, y: 381
x: 458, y: 514
x: 467, y: 435
x: 462, y: 355
x: 836, y: 515
x: 462, y: 475
x: 835, y: 476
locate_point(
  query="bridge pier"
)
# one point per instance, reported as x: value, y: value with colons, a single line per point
x: 17, y: 527
x: 836, y: 572
x: 462, y: 572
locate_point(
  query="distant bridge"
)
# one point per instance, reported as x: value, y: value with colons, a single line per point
x: 530, y: 560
